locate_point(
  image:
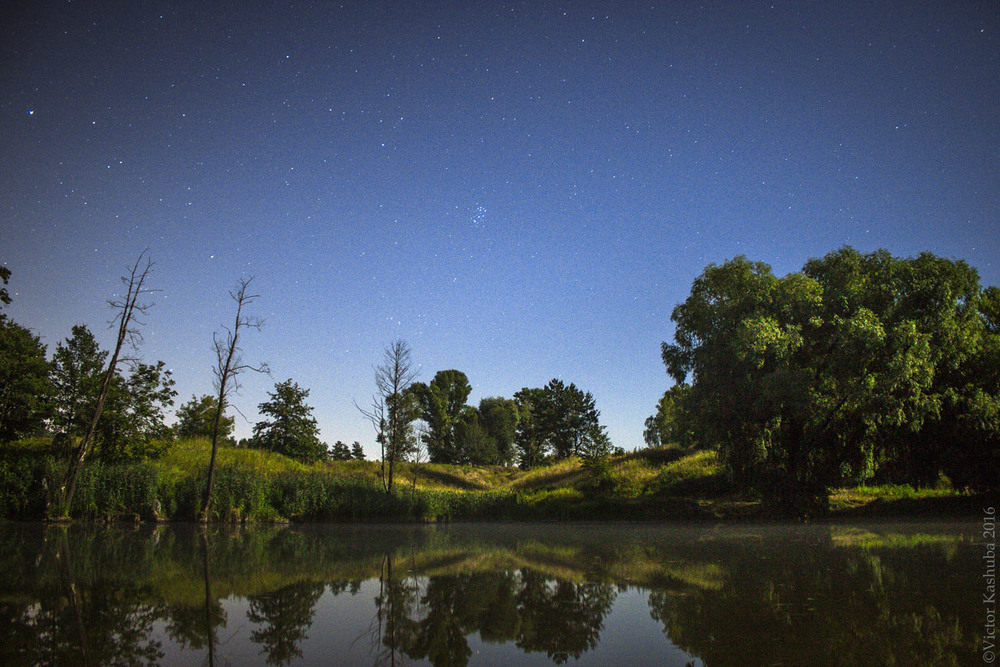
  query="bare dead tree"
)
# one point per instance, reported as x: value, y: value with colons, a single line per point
x: 229, y: 365
x: 376, y: 415
x: 128, y: 307
x: 391, y: 412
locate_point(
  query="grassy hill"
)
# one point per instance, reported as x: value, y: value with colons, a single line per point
x: 252, y: 485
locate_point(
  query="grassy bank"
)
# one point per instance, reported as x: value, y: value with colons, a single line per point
x: 258, y: 486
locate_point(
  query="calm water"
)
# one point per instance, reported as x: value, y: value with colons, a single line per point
x: 509, y: 594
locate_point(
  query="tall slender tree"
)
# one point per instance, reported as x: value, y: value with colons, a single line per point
x: 393, y: 408
x: 529, y: 438
x: 127, y: 307
x: 229, y: 365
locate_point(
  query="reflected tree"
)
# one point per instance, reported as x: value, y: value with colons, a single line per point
x: 820, y: 605
x: 392, y: 626
x: 795, y: 595
x: 192, y: 626
x: 73, y: 621
x: 499, y: 619
x: 562, y: 619
x: 439, y: 636
x: 285, y: 616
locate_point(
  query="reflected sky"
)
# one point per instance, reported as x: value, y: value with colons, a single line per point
x: 506, y: 594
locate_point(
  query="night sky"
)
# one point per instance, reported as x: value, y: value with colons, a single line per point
x: 520, y: 191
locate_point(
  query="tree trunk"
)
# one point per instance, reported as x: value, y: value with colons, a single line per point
x: 128, y: 305
x: 229, y: 365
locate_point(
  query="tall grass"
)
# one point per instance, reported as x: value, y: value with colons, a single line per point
x: 258, y: 486
x: 697, y: 474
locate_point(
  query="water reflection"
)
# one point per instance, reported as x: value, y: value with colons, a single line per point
x: 517, y: 594
x: 433, y: 620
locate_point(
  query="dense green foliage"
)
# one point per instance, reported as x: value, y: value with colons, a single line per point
x: 25, y: 387
x: 441, y: 406
x: 456, y: 432
x: 77, y: 367
x: 341, y: 452
x: 133, y: 418
x: 289, y: 427
x: 498, y: 418
x: 4, y: 294
x: 25, y: 383
x: 671, y: 423
x: 357, y: 453
x: 861, y: 366
x: 260, y: 486
x: 860, y: 369
x: 558, y: 420
x: 196, y: 419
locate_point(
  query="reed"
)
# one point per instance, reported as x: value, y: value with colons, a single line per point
x: 260, y: 487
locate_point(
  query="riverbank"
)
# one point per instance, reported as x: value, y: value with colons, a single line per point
x: 666, y: 484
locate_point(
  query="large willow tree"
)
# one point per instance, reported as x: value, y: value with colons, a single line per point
x: 860, y: 365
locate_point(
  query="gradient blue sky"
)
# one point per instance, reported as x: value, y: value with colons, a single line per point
x: 520, y: 191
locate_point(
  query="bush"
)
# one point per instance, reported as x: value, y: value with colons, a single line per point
x: 117, y: 491
x: 599, y: 473
x: 27, y: 482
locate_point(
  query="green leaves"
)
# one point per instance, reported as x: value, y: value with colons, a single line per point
x: 559, y: 419
x: 290, y: 428
x: 807, y: 378
x: 441, y: 404
x: 196, y: 418
x: 4, y: 277
x: 77, y: 372
x: 25, y: 389
x: 133, y: 414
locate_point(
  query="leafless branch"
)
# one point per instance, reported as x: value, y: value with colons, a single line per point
x: 127, y: 325
x: 229, y: 365
x: 387, y: 414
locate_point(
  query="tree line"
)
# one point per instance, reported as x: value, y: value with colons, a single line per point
x: 94, y: 409
x: 415, y: 419
x: 859, y: 368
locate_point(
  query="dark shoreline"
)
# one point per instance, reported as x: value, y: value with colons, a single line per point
x: 680, y: 511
